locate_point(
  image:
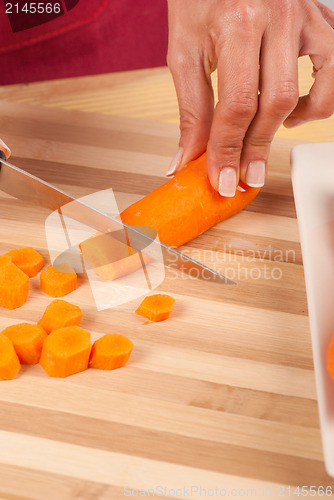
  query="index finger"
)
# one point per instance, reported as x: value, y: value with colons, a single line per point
x: 238, y: 83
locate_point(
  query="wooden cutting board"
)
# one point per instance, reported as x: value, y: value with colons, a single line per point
x: 221, y: 395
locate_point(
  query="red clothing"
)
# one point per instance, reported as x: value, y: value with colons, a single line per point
x: 80, y: 37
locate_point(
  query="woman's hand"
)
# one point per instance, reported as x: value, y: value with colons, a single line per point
x: 255, y: 45
x: 5, y: 149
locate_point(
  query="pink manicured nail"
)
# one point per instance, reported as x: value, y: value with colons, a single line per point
x: 5, y: 148
x: 255, y: 174
x: 227, y: 181
x: 175, y: 163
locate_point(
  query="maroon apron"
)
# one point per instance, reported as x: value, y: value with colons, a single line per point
x: 79, y: 37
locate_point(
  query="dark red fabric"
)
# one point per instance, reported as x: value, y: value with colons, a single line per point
x: 87, y: 37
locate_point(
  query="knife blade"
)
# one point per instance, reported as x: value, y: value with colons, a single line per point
x: 29, y: 188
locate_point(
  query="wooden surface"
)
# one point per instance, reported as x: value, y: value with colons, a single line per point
x: 221, y: 395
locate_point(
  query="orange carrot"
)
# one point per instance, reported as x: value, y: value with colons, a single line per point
x: 5, y: 260
x: 27, y: 340
x: 179, y: 210
x: 58, y: 282
x: 109, y: 257
x: 101, y: 249
x: 60, y: 314
x: 156, y: 307
x: 14, y: 286
x: 110, y: 352
x: 66, y: 351
x: 27, y: 259
x: 9, y: 362
x: 186, y: 206
x: 330, y: 358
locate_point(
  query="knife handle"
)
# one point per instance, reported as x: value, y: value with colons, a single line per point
x: 5, y: 152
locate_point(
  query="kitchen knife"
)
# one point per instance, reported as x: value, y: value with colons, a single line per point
x: 27, y: 187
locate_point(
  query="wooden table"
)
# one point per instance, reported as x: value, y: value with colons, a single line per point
x: 221, y: 395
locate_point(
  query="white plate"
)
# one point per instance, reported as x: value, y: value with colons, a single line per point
x: 313, y: 185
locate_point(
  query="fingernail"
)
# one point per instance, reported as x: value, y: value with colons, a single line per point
x: 5, y: 148
x: 255, y: 174
x: 227, y: 181
x: 176, y: 161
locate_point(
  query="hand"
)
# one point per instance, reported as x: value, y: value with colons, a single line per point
x: 5, y: 149
x: 255, y: 45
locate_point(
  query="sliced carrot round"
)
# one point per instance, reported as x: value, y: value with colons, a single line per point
x: 156, y: 307
x: 66, y: 351
x: 110, y: 351
x: 27, y: 340
x: 58, y: 282
x: 27, y: 259
x: 9, y: 361
x: 14, y: 286
x: 60, y: 314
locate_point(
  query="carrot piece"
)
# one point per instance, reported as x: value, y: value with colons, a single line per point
x: 60, y: 314
x: 5, y: 260
x: 27, y: 259
x: 101, y: 249
x: 14, y: 286
x: 110, y: 352
x: 156, y: 307
x: 66, y: 351
x: 186, y: 206
x: 9, y: 362
x: 27, y: 340
x: 58, y: 282
x: 110, y: 259
x: 330, y: 358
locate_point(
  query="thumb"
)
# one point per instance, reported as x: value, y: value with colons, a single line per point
x: 196, y: 104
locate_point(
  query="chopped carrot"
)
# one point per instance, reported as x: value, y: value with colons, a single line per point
x: 66, y: 351
x: 101, y: 249
x: 330, y: 358
x: 156, y: 307
x: 110, y: 352
x: 9, y: 362
x: 5, y: 260
x: 14, y: 286
x: 27, y: 259
x: 60, y: 314
x: 122, y: 267
x: 109, y: 257
x: 27, y: 340
x: 59, y: 281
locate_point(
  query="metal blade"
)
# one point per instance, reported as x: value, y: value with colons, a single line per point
x: 31, y: 189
